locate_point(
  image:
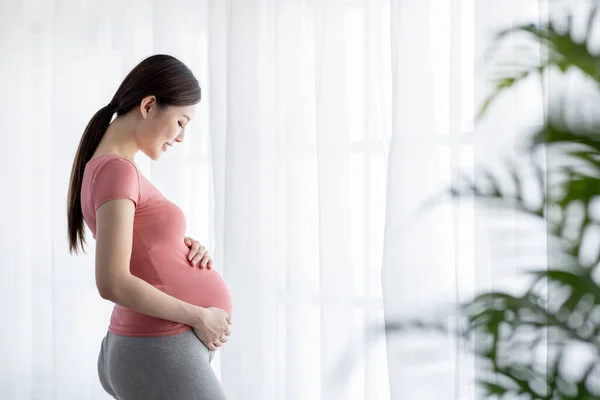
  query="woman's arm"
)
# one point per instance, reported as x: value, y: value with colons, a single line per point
x: 114, y: 237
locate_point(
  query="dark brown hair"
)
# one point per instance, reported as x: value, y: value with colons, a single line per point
x: 162, y: 76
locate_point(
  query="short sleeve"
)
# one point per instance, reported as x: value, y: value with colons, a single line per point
x: 117, y: 178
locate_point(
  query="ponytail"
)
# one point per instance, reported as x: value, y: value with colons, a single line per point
x: 87, y: 146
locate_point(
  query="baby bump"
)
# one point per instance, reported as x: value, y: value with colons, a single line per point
x: 201, y: 287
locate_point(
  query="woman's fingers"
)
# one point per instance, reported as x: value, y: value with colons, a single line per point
x: 199, y: 256
x: 211, y: 346
x: 204, y: 261
x: 193, y: 250
x: 196, y: 259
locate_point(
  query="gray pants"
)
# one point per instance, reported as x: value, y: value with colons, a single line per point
x: 158, y: 368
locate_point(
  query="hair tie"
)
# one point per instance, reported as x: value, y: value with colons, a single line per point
x: 112, y: 106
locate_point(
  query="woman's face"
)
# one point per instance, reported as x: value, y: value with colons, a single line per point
x: 162, y: 127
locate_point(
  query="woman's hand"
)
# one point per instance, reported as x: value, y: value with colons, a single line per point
x: 212, y: 327
x: 198, y: 253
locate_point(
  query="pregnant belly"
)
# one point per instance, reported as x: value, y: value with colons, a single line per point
x: 201, y: 287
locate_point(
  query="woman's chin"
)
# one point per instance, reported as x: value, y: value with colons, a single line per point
x: 153, y: 155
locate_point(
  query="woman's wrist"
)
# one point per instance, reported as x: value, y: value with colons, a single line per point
x: 197, y: 314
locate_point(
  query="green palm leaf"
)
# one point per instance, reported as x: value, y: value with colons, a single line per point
x: 559, y: 50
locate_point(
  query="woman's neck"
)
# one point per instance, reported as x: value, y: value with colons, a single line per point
x: 119, y: 138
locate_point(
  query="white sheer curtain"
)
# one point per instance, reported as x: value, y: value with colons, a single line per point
x: 301, y: 193
x: 442, y: 254
x: 284, y: 176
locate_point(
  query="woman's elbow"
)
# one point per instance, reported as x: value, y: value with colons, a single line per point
x: 105, y: 291
x: 110, y: 286
x: 110, y: 290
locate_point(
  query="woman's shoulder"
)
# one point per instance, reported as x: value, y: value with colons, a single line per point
x: 111, y: 176
x: 111, y: 159
x: 111, y: 167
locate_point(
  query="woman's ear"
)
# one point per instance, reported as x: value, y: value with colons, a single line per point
x: 147, y: 104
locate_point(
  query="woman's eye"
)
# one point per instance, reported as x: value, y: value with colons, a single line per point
x: 180, y: 124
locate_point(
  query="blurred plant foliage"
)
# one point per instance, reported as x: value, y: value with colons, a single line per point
x: 560, y: 310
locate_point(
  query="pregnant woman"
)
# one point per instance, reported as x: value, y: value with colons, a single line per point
x: 172, y: 309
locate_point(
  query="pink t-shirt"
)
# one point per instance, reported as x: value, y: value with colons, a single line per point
x: 159, y: 254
